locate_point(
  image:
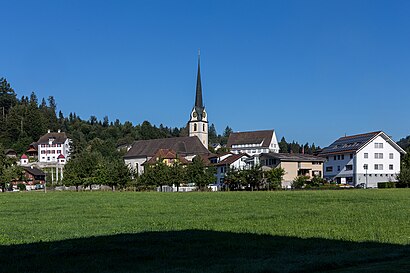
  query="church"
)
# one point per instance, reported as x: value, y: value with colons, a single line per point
x: 142, y: 151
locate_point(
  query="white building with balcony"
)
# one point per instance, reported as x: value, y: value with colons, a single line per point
x: 365, y: 158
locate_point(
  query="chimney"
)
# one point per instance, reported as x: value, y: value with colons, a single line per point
x: 48, y: 131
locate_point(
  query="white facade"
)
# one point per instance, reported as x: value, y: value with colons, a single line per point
x: 381, y: 157
x: 257, y: 148
x: 222, y: 169
x: 49, y: 151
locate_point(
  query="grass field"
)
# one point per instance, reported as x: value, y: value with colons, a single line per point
x: 292, y: 231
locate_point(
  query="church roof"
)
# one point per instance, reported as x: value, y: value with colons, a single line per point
x: 183, y: 146
x: 254, y: 137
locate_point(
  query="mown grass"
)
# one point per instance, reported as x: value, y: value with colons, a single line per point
x: 215, y: 232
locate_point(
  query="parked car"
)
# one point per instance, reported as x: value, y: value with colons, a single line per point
x: 39, y: 187
x: 360, y: 186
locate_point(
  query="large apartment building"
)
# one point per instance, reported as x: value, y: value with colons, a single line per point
x: 365, y: 158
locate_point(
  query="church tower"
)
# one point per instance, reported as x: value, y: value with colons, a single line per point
x: 198, y: 122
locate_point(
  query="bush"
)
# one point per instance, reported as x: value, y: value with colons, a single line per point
x: 403, y: 179
x: 21, y: 187
x: 386, y: 185
x: 299, y: 181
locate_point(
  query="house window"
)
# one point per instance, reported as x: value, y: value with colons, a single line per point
x: 391, y: 156
x: 334, y: 158
x: 351, y: 156
x: 391, y: 167
x: 338, y: 168
x: 329, y: 169
x: 338, y: 157
x: 349, y: 167
x: 365, y: 166
x: 378, y: 166
x: 378, y: 145
x: 203, y: 127
x: 343, y: 157
x: 366, y: 155
x: 378, y: 156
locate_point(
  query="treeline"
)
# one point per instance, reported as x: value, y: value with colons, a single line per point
x: 296, y: 148
x: 23, y: 121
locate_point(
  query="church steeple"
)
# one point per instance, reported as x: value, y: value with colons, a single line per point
x: 198, y: 97
x: 198, y: 122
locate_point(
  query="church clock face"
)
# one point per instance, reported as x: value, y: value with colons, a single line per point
x: 194, y: 115
x: 204, y: 114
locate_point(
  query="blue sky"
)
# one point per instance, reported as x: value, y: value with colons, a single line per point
x: 312, y: 70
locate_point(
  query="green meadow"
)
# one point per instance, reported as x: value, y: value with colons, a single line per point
x: 284, y: 231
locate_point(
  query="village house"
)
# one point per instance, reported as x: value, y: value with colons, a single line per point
x: 229, y: 162
x: 362, y: 159
x: 294, y: 165
x: 253, y: 143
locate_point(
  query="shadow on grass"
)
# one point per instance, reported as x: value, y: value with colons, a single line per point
x: 203, y: 251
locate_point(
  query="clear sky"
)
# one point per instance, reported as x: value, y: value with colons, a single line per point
x: 312, y: 70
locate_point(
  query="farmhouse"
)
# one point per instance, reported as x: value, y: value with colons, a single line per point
x: 293, y: 164
x: 366, y: 158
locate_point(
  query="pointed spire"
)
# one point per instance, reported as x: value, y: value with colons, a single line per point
x: 198, y: 97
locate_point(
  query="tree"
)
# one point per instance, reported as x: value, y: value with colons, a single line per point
x: 233, y: 179
x: 7, y: 97
x: 275, y: 178
x: 177, y: 174
x: 200, y: 174
x: 8, y: 169
x: 283, y: 146
x: 212, y: 135
x: 253, y: 177
x: 82, y: 170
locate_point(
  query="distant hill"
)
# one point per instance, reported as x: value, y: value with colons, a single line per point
x: 404, y: 143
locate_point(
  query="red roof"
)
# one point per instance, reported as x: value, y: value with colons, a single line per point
x: 24, y: 156
x: 60, y: 156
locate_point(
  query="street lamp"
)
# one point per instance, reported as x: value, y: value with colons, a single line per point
x: 365, y: 167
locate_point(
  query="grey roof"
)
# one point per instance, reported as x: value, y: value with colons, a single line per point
x: 181, y: 145
x: 254, y: 137
x: 349, y: 143
x: 293, y: 157
x: 58, y: 138
x: 356, y: 142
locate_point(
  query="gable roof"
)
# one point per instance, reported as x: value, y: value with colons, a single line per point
x: 254, y: 137
x: 294, y: 157
x: 231, y: 159
x: 181, y: 145
x: 355, y: 143
x: 58, y: 138
x: 34, y: 171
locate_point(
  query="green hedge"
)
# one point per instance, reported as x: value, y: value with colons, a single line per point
x: 386, y: 185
